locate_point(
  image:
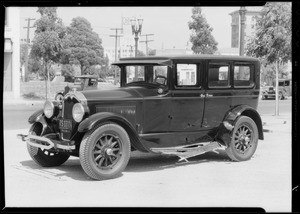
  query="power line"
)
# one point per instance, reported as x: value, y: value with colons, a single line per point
x: 146, y: 41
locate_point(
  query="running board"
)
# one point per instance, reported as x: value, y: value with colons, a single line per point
x: 187, y: 151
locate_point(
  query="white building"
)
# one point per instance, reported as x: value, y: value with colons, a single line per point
x: 11, y: 81
x: 250, y: 14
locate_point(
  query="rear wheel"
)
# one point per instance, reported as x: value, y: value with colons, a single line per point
x: 105, y: 151
x: 43, y: 157
x: 244, y: 139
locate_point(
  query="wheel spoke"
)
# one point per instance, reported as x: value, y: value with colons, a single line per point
x: 97, y: 145
x: 101, y: 161
x: 98, y: 157
x: 115, y: 149
x: 97, y: 152
x: 113, y: 144
x: 109, y: 141
x: 111, y: 161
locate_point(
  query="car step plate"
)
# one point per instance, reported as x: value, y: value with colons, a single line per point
x: 184, y: 152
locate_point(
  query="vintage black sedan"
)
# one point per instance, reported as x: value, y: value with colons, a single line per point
x: 173, y: 105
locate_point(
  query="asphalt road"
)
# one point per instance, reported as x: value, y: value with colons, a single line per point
x: 16, y: 117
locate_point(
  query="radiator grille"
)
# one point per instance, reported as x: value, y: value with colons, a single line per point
x: 67, y: 114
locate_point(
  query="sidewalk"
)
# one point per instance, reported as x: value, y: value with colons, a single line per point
x: 8, y: 103
x: 272, y: 123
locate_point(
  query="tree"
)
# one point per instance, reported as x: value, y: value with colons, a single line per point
x: 272, y: 40
x: 47, y: 42
x: 49, y: 34
x: 273, y: 30
x: 201, y: 37
x: 23, y: 48
x: 140, y: 53
x: 152, y: 52
x: 82, y: 45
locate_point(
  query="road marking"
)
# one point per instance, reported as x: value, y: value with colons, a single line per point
x: 39, y: 172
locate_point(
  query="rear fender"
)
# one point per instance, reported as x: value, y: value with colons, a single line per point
x: 95, y: 119
x: 231, y: 117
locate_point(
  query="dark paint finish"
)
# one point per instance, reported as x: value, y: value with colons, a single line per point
x: 178, y: 115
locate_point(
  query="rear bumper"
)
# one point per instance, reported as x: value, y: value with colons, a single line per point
x: 46, y: 143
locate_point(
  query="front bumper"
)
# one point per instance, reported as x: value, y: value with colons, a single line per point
x: 46, y: 143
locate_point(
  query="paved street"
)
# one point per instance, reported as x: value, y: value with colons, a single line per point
x: 209, y: 180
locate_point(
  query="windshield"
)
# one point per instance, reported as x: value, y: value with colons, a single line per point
x: 153, y: 74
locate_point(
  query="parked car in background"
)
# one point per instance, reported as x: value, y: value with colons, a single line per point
x: 284, y: 90
x: 171, y: 105
x: 267, y: 92
x: 81, y: 83
x: 285, y: 87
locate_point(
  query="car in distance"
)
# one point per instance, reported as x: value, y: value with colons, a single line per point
x: 172, y: 105
x: 81, y: 83
x: 268, y: 92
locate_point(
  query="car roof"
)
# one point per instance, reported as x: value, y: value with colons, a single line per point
x: 177, y: 57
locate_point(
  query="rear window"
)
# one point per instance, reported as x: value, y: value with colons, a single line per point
x: 218, y: 75
x: 243, y: 76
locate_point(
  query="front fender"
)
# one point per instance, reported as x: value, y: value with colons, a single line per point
x: 36, y: 116
x: 95, y: 119
x: 90, y: 122
x: 245, y: 110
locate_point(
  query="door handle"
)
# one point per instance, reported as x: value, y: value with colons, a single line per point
x: 209, y: 95
x: 202, y: 95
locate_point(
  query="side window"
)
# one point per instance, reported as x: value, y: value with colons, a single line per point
x: 132, y: 71
x: 242, y: 76
x: 218, y: 75
x: 186, y: 75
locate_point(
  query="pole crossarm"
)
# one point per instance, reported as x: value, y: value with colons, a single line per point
x: 147, y: 40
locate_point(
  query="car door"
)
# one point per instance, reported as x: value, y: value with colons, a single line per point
x: 187, y: 98
x: 218, y: 93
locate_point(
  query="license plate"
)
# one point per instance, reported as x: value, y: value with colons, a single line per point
x: 65, y: 124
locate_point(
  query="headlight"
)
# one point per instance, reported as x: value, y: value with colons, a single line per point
x: 48, y: 109
x: 78, y: 112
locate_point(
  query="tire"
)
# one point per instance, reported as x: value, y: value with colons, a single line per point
x: 105, y: 151
x: 43, y: 157
x: 244, y: 140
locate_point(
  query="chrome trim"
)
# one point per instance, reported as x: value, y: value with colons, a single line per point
x: 50, y: 145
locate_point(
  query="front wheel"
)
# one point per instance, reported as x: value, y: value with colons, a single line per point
x: 43, y: 157
x: 244, y: 139
x: 105, y: 151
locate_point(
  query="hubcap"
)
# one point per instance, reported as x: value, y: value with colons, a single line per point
x: 243, y: 138
x: 107, y: 151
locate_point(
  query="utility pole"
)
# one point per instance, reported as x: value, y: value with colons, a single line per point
x: 25, y: 78
x: 242, y: 32
x: 116, y: 45
x: 146, y: 41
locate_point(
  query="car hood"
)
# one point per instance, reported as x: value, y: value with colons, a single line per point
x: 119, y: 93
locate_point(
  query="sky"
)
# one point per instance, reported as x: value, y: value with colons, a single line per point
x: 168, y: 24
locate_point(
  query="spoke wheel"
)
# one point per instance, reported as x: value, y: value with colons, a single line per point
x: 244, y: 139
x: 105, y: 151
